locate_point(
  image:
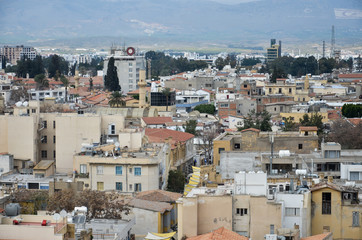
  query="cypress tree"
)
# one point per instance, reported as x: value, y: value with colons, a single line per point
x: 111, y: 81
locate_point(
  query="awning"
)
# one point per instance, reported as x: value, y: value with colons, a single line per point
x: 160, y: 236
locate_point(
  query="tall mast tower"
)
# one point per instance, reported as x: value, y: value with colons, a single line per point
x: 333, y: 42
x: 324, y: 49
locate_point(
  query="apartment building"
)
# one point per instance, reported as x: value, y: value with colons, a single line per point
x: 111, y: 167
x: 14, y: 54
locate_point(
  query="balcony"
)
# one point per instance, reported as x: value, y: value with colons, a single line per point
x: 81, y: 175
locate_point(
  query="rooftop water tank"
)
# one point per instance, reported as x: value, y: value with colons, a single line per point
x: 12, y: 209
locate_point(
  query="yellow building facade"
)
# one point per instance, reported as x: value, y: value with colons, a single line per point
x: 336, y: 209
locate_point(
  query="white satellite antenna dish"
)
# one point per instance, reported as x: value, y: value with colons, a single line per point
x: 106, y: 153
x: 25, y: 104
x: 56, y: 216
x: 18, y: 104
x: 63, y: 213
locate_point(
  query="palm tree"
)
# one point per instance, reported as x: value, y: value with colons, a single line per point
x: 65, y: 82
x: 166, y: 92
x: 41, y: 81
x: 116, y: 100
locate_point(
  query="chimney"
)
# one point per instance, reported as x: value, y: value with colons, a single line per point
x: 330, y: 179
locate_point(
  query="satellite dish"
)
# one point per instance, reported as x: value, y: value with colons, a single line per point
x: 56, y: 216
x: 117, y: 144
x: 18, y: 104
x: 106, y: 153
x: 25, y: 104
x: 63, y: 213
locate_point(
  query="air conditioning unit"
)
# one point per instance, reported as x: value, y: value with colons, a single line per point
x: 271, y: 237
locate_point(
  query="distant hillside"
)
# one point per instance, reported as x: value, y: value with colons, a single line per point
x: 180, y: 20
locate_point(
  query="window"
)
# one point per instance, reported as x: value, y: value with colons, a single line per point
x: 53, y: 124
x: 100, y: 186
x: 303, y: 99
x: 130, y: 170
x: 45, y: 124
x: 83, y: 168
x: 281, y: 108
x: 99, y: 170
x: 237, y: 146
x: 137, y: 187
x: 271, y: 229
x: 130, y: 64
x: 44, y: 154
x: 33, y: 110
x: 130, y: 187
x: 241, y: 211
x: 190, y: 85
x: 292, y: 212
x: 118, y: 170
x: 353, y: 176
x: 290, y: 90
x: 224, y: 105
x: 119, y: 186
x: 306, y: 133
x: 270, y: 90
x: 111, y: 129
x: 53, y: 139
x: 130, y: 70
x: 137, y: 171
x: 326, y: 229
x: 355, y: 219
x: 54, y: 154
x: 221, y: 149
x: 44, y: 139
x: 300, y: 146
x: 130, y: 75
x: 245, y: 86
x: 280, y: 90
x: 326, y: 203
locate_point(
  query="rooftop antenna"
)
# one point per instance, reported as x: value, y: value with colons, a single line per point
x: 333, y: 41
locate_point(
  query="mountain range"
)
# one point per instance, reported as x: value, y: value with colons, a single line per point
x: 233, y: 22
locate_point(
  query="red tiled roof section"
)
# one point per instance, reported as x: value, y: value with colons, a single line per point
x: 251, y: 129
x: 157, y: 120
x: 157, y: 135
x: 219, y: 234
x: 350, y: 75
x: 308, y: 128
x: 355, y: 121
x: 159, y: 196
x: 326, y: 185
x: 324, y: 236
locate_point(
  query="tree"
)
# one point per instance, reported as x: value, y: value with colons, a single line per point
x: 111, y: 82
x: 99, y: 204
x: 55, y: 63
x: 220, y: 63
x: 289, y: 124
x: 116, y: 100
x: 352, y: 110
x: 17, y: 94
x: 257, y: 120
x: 65, y: 82
x: 277, y: 73
x: 191, y: 126
x: 176, y: 181
x: 90, y: 84
x: 30, y: 200
x: 41, y: 81
x: 166, y: 92
x: 206, y: 137
x: 314, y: 120
x: 3, y: 62
x: 206, y: 108
x: 359, y: 64
x: 346, y: 134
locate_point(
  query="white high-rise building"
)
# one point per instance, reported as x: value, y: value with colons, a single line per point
x: 128, y: 63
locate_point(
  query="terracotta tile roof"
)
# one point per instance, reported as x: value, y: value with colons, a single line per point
x: 355, y: 121
x: 308, y: 128
x: 333, y: 114
x: 206, y: 90
x: 150, y: 205
x: 159, y: 196
x: 156, y: 135
x: 251, y: 129
x: 219, y: 234
x: 350, y: 75
x: 156, y: 120
x: 323, y: 236
x: 181, y: 78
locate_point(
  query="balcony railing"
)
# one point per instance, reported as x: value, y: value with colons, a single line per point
x: 82, y: 175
